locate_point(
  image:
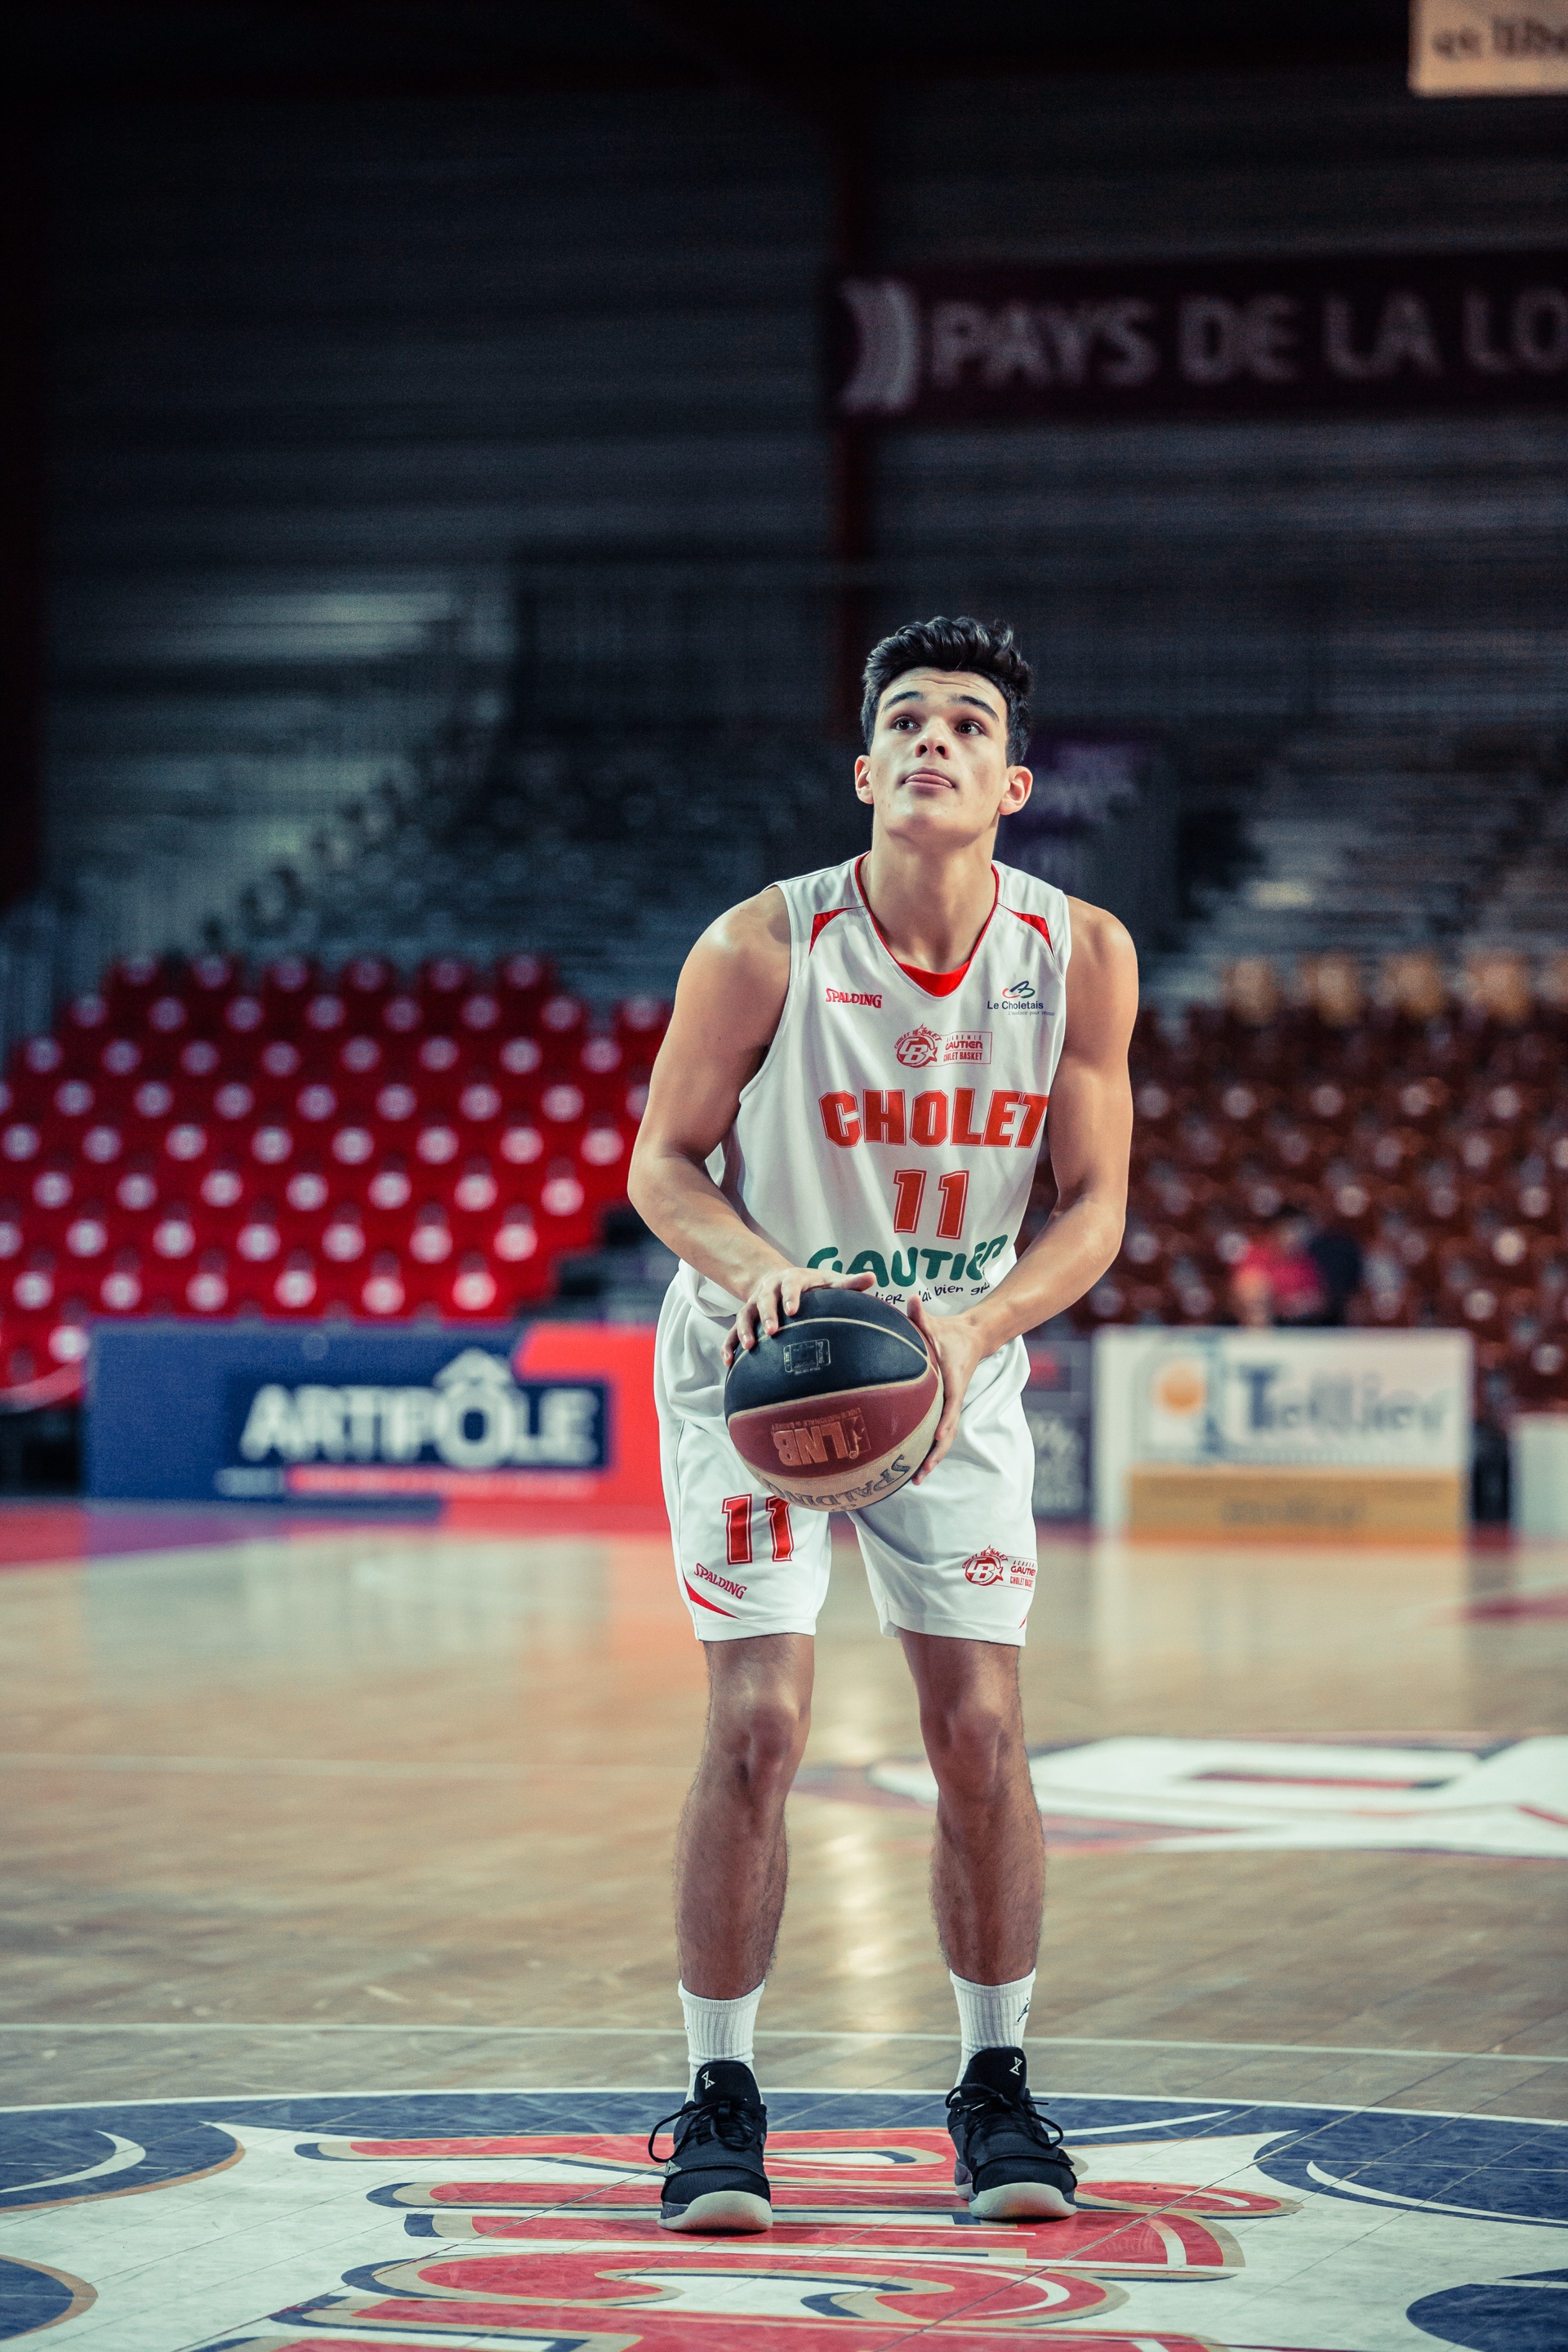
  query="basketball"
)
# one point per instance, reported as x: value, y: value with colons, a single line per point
x: 839, y: 1409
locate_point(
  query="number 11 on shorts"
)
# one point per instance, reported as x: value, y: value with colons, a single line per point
x: 737, y: 1510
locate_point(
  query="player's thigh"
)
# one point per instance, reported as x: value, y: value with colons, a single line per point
x: 748, y: 1563
x: 958, y: 1555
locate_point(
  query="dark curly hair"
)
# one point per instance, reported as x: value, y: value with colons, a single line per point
x: 958, y: 643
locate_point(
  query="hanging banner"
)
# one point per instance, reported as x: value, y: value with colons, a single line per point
x: 1342, y: 335
x: 1469, y: 48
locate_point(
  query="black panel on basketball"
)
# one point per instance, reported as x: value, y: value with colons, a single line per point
x: 868, y: 1344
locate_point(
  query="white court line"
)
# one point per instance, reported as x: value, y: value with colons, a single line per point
x: 793, y: 2033
x: 226, y: 2099
x: 307, y: 1767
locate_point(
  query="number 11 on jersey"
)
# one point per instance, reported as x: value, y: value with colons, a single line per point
x: 909, y: 1194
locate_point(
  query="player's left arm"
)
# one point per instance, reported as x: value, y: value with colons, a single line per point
x: 1090, y: 1132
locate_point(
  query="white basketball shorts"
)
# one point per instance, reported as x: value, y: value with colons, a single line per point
x: 955, y: 1556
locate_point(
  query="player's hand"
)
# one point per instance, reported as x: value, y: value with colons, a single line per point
x: 957, y: 1347
x: 776, y: 1294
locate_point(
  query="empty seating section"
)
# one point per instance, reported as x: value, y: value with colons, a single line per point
x: 1371, y: 844
x: 193, y: 1143
x: 1432, y: 1127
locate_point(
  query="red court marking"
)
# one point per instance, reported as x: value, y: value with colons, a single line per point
x: 1554, y: 1603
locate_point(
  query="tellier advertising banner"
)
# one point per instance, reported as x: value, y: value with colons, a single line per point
x: 275, y: 1413
x: 1371, y: 1416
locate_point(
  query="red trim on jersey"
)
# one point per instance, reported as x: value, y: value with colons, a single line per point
x: 700, y: 1603
x: 934, y: 984
x: 1035, y: 923
x: 819, y: 923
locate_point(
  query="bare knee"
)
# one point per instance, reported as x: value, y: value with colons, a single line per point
x: 759, y: 1744
x: 974, y: 1741
x: 759, y: 1713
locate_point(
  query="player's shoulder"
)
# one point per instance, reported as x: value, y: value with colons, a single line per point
x: 1100, y: 939
x: 763, y: 928
x: 753, y: 934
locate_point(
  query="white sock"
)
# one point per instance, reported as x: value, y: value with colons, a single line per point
x: 991, y: 2017
x: 719, y: 2029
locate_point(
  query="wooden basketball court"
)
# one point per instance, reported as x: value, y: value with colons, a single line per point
x: 355, y: 1836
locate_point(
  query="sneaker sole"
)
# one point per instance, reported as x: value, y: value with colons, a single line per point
x: 1021, y: 2200
x: 722, y: 2213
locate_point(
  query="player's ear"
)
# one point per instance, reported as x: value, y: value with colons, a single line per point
x: 1020, y: 785
x: 862, y: 777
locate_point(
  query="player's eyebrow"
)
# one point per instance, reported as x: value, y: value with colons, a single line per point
x: 915, y: 693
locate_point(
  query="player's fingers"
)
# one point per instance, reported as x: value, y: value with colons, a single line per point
x: 772, y: 1311
x: 942, y: 1436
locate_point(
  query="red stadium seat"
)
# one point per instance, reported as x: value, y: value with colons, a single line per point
x: 473, y: 1288
x: 479, y: 1013
x: 384, y: 1293
x: 121, y: 1290
x: 206, y: 1287
x: 402, y: 1015
x: 286, y: 990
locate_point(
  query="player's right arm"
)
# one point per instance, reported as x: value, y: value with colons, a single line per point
x: 727, y: 1006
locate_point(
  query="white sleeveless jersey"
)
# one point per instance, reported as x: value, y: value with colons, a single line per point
x: 889, y: 1131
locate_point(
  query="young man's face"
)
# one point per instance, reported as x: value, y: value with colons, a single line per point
x: 937, y: 770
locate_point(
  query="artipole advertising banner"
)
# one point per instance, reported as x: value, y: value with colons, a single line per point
x: 1339, y: 1435
x: 274, y: 1414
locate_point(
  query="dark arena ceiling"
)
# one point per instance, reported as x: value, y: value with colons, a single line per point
x: 124, y: 50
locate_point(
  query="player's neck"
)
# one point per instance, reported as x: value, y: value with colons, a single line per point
x: 929, y: 909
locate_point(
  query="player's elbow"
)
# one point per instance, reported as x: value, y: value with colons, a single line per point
x: 1111, y: 1224
x: 642, y: 1182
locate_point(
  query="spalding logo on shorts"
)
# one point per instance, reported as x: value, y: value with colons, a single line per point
x: 841, y: 1439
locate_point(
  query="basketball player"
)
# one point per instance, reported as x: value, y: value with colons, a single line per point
x: 863, y: 1055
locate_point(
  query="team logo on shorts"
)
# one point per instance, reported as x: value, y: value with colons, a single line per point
x: 993, y: 1567
x: 917, y: 1048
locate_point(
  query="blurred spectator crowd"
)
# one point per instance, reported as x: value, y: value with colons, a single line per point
x: 1420, y: 1121
x: 192, y: 1142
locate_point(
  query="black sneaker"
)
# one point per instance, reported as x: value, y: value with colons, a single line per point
x: 714, y: 2179
x: 1010, y: 2156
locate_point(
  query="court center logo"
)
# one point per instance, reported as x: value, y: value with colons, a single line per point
x: 479, y: 2220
